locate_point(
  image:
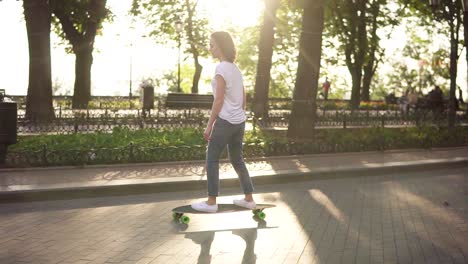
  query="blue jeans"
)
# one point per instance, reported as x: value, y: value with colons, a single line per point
x: 230, y: 135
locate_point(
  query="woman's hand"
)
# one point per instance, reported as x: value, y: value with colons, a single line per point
x: 207, y: 133
x: 216, y: 107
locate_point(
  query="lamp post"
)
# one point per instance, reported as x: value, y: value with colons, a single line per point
x: 178, y: 28
x: 131, y: 73
x: 131, y: 64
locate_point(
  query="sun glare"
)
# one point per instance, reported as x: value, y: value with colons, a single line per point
x: 227, y: 13
x: 117, y: 50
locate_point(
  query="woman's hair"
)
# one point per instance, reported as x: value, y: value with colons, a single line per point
x: 225, y: 43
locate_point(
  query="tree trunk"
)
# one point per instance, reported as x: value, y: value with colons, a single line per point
x: 356, y: 76
x: 453, y: 75
x: 371, y: 64
x: 83, y: 45
x: 265, y: 53
x: 193, y: 47
x: 302, y: 120
x: 360, y: 56
x: 352, y: 20
x: 83, y: 62
x: 369, y: 71
x: 39, y: 97
x: 366, y: 82
x: 465, y: 34
x: 196, y: 76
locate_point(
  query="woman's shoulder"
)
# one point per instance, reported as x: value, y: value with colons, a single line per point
x: 225, y: 64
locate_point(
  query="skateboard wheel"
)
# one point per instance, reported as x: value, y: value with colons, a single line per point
x: 185, y: 219
x: 261, y: 215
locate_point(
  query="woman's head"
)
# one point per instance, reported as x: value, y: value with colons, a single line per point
x: 222, y: 46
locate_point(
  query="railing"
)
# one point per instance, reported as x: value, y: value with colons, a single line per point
x: 97, y: 102
x: 89, y: 121
x: 368, y: 118
x: 124, y: 102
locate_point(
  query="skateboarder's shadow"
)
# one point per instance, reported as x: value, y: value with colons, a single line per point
x: 249, y: 236
x: 205, y: 239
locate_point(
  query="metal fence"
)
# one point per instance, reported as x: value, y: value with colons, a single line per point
x: 90, y: 121
x: 366, y: 118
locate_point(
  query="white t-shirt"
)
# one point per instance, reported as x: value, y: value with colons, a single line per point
x: 232, y: 110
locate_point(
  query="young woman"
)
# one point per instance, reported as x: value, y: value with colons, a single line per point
x: 226, y: 124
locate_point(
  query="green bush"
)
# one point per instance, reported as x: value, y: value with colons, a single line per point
x: 358, y: 139
x: 124, y: 145
x: 119, y: 137
x: 377, y: 138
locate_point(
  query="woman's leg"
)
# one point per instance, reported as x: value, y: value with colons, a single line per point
x: 215, y: 147
x: 237, y: 160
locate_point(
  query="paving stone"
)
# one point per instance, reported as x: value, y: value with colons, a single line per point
x: 395, y: 218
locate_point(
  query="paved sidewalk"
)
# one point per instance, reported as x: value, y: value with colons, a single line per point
x: 406, y: 217
x: 405, y: 207
x: 24, y: 184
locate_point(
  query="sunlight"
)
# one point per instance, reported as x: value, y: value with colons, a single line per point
x: 123, y: 46
x: 353, y: 231
x: 427, y: 207
x: 237, y: 14
x: 436, y: 215
x: 323, y: 200
x: 116, y: 49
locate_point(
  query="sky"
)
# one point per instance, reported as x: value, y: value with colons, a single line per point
x: 115, y: 50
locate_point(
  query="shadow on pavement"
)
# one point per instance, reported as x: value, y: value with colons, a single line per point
x: 205, y: 240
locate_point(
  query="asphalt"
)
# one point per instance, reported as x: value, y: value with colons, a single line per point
x: 55, y: 183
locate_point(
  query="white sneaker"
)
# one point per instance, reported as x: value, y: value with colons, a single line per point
x: 245, y: 204
x: 204, y: 207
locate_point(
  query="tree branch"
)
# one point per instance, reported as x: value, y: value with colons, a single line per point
x: 67, y: 25
x: 97, y: 11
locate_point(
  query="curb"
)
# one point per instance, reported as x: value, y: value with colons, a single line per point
x: 187, y: 185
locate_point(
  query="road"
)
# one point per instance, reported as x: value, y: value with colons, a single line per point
x: 407, y: 218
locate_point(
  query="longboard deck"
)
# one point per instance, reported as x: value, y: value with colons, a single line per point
x: 222, y: 208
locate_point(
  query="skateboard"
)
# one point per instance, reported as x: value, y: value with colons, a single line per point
x: 178, y: 212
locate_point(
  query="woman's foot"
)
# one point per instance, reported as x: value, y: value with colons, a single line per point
x: 246, y: 204
x: 205, y: 207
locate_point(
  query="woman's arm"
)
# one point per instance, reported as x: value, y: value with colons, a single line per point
x: 217, y: 105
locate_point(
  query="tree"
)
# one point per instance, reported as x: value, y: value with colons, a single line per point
x: 247, y: 54
x: 162, y: 16
x: 432, y: 64
x: 39, y: 97
x: 449, y: 12
x: 465, y: 40
x: 286, y: 49
x: 356, y: 24
x: 303, y: 114
x: 265, y: 53
x: 80, y: 21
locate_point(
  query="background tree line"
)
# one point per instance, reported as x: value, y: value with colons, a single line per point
x: 282, y: 56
